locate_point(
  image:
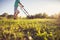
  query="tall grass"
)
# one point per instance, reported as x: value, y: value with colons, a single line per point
x: 38, y: 29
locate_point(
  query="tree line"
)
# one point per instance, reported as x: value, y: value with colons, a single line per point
x: 39, y: 15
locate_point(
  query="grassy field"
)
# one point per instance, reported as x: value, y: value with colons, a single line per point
x: 37, y: 29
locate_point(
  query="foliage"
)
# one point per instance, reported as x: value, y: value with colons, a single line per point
x: 38, y: 29
x: 39, y: 15
x: 4, y: 15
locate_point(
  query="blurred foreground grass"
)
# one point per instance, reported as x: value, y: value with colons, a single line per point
x: 38, y: 29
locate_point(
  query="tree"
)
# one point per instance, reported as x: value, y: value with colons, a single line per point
x: 4, y: 15
x: 10, y: 16
x: 38, y: 15
x: 44, y: 15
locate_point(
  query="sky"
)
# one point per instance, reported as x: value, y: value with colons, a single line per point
x: 32, y: 6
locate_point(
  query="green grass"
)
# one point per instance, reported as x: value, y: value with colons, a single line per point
x: 41, y: 28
